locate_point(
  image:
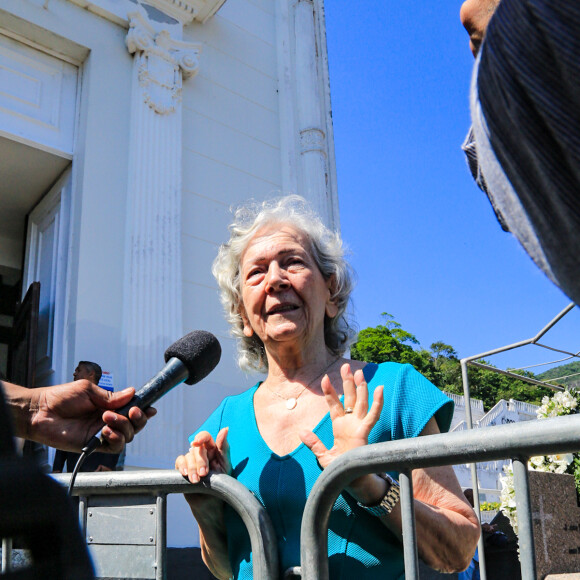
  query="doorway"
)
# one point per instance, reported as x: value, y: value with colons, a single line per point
x: 38, y: 94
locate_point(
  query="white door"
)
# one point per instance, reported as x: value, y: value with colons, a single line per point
x: 47, y: 246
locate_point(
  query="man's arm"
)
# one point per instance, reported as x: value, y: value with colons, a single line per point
x: 66, y: 416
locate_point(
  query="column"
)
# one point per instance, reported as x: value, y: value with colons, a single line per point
x: 310, y: 98
x: 153, y: 297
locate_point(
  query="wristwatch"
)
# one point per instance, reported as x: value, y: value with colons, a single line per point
x: 390, y: 499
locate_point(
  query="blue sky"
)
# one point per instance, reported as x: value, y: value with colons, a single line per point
x: 424, y: 241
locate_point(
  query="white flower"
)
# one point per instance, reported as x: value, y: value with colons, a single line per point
x: 508, y: 497
x: 568, y: 400
x: 560, y: 463
x: 561, y: 403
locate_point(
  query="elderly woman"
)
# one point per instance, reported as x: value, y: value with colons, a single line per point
x: 285, y: 286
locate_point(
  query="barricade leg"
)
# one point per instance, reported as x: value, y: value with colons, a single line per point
x: 409, y: 529
x: 524, y: 512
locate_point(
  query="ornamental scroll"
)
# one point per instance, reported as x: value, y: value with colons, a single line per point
x: 162, y: 63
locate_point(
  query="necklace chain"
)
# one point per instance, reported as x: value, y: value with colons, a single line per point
x: 291, y: 402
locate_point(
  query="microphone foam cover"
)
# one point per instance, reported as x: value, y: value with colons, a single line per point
x: 199, y: 351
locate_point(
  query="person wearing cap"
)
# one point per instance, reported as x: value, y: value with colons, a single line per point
x: 524, y: 145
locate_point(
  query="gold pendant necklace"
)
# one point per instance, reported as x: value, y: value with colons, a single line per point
x: 292, y: 402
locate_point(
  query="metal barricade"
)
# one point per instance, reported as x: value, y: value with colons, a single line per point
x: 123, y: 517
x: 517, y: 441
x: 477, y: 361
x: 108, y: 497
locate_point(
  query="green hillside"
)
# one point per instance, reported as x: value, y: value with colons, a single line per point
x: 564, y: 370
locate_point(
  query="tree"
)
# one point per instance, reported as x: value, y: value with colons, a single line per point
x: 383, y: 343
x: 490, y: 387
x: 388, y: 342
x: 441, y: 365
x: 441, y: 350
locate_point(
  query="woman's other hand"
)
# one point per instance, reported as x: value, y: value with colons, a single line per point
x: 205, y: 455
x: 352, y: 421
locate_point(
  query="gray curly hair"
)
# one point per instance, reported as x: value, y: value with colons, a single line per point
x: 327, y: 251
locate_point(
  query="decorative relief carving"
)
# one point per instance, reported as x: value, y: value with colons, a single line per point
x: 312, y: 139
x: 162, y: 63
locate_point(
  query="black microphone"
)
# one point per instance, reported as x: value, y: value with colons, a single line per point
x: 189, y: 360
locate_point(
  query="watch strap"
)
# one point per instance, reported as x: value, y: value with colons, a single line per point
x: 389, y: 500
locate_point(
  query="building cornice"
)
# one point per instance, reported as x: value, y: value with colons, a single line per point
x: 179, y: 11
x: 187, y: 11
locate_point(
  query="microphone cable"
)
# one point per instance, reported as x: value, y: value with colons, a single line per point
x: 85, y: 453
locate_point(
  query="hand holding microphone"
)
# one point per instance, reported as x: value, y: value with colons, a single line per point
x: 189, y: 360
x: 63, y: 416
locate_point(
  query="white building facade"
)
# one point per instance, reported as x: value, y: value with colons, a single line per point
x: 127, y: 130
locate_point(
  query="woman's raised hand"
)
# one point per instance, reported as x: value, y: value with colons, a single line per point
x: 205, y: 455
x: 352, y: 421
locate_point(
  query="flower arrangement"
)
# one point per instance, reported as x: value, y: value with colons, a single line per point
x: 562, y: 403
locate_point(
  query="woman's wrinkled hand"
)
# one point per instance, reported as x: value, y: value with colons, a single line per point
x: 352, y: 421
x: 205, y: 455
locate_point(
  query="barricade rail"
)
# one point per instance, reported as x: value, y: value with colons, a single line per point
x: 517, y: 441
x: 156, y: 485
x: 477, y: 361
